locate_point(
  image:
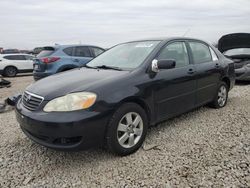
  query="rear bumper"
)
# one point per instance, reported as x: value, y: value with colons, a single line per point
x: 243, y: 73
x: 63, y: 131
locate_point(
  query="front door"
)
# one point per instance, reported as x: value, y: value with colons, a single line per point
x: 174, y: 89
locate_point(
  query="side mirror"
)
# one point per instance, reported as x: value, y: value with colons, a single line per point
x: 162, y: 64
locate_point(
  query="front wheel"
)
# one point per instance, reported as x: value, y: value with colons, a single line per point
x: 127, y: 129
x: 221, y: 97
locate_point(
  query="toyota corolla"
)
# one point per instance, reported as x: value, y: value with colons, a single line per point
x: 114, y: 99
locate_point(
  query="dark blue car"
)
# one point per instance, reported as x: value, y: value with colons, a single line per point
x: 59, y: 58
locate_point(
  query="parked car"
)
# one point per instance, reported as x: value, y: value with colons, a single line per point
x: 236, y: 46
x: 37, y: 50
x: 10, y: 51
x: 11, y: 64
x: 118, y: 95
x: 59, y: 58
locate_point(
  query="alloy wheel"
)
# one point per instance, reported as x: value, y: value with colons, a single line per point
x: 129, y: 131
x: 222, y: 96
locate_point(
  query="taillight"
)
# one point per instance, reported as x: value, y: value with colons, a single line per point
x: 50, y: 59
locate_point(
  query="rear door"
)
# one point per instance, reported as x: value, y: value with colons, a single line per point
x: 29, y: 62
x: 208, y: 71
x: 81, y: 55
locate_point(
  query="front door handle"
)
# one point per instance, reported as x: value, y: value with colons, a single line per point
x: 76, y: 60
x: 191, y: 71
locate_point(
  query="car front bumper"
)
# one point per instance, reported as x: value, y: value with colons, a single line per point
x: 243, y: 73
x: 63, y: 131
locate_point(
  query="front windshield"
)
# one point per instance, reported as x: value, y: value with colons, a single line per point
x: 125, y: 56
x: 238, y: 51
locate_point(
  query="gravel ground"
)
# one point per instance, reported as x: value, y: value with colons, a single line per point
x: 203, y: 148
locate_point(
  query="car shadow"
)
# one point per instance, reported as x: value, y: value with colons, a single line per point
x: 242, y: 83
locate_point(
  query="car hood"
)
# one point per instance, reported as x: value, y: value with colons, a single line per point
x: 73, y: 81
x: 234, y: 40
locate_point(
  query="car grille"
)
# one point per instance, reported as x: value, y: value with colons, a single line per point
x: 31, y: 101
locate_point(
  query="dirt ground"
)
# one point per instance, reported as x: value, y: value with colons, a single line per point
x: 202, y: 148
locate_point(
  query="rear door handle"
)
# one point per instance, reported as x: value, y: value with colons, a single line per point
x: 191, y: 71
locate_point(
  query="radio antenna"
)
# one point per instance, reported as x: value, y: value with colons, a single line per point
x: 187, y: 31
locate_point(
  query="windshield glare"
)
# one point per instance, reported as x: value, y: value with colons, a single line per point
x: 125, y: 56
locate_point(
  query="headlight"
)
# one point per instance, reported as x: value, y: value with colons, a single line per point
x: 71, y: 102
x: 248, y: 64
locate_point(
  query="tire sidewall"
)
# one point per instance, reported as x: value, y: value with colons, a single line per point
x: 112, y: 141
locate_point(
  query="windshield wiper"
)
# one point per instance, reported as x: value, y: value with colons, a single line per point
x: 89, y: 67
x: 108, y: 67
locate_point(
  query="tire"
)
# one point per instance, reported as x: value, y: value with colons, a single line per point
x: 221, y: 96
x: 10, y: 71
x: 121, y: 130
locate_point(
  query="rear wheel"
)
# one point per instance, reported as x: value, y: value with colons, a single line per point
x: 10, y: 71
x: 221, y: 97
x: 127, y: 129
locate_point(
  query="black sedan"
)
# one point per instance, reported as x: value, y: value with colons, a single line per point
x: 114, y: 99
x: 236, y: 46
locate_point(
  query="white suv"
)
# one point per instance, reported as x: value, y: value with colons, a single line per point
x: 11, y: 64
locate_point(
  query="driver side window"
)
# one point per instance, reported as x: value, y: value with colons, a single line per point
x: 176, y: 51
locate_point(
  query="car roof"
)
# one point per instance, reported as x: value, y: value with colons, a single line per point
x: 71, y: 45
x: 168, y: 39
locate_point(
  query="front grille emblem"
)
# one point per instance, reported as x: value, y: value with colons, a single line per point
x: 28, y: 98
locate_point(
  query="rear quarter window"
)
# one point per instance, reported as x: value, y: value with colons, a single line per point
x: 68, y: 51
x: 97, y: 51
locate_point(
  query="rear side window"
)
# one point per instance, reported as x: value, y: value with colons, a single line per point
x: 68, y: 51
x: 201, y: 52
x: 97, y: 51
x: 15, y: 57
x: 82, y: 51
x: 28, y: 57
x: 47, y: 51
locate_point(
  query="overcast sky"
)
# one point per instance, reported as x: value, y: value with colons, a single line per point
x: 30, y: 23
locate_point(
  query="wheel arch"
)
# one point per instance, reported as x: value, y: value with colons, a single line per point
x: 139, y: 101
x: 227, y: 81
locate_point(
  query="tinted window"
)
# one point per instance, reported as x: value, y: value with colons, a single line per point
x: 82, y: 51
x: 15, y: 57
x: 68, y: 51
x: 176, y: 51
x: 28, y: 57
x: 201, y: 52
x: 97, y: 51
